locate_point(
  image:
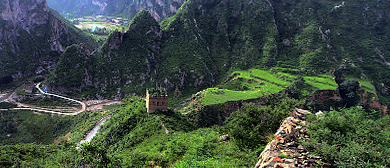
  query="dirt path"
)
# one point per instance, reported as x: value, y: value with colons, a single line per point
x: 93, y: 105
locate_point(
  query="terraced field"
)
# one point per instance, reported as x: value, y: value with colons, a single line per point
x: 255, y: 83
x: 321, y: 82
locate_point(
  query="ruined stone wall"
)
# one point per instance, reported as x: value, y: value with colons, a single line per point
x: 285, y: 150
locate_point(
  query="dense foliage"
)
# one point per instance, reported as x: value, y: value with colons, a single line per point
x: 5, y: 105
x: 251, y: 125
x: 26, y: 127
x: 131, y: 137
x: 350, y: 138
x: 5, y: 80
x: 205, y: 40
x: 134, y: 138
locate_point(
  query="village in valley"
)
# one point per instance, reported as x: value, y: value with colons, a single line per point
x: 100, y: 25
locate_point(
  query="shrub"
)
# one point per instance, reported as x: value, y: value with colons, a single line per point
x: 5, y: 105
x: 250, y: 125
x: 6, y: 80
x: 350, y: 138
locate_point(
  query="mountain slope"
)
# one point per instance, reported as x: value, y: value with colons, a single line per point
x: 206, y: 39
x: 352, y: 35
x: 33, y: 36
x: 195, y: 51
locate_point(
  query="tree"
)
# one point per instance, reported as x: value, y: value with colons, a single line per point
x: 6, y: 80
x: 349, y: 92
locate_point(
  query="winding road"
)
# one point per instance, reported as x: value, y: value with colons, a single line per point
x: 83, y: 105
x: 90, y: 105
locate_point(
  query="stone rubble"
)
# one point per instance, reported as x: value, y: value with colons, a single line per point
x: 285, y: 151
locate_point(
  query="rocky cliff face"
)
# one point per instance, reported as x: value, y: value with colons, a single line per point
x: 31, y: 37
x: 159, y: 9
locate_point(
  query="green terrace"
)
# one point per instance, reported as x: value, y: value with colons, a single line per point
x: 321, y: 82
x: 255, y: 83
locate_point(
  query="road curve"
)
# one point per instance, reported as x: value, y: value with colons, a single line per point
x: 83, y: 105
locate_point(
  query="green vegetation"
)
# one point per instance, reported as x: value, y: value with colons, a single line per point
x: 131, y: 137
x: 29, y: 49
x: 255, y: 83
x: 6, y: 80
x: 100, y: 26
x: 157, y: 91
x: 5, y: 105
x: 27, y: 127
x: 350, y: 138
x: 50, y: 101
x: 252, y: 124
x: 366, y: 85
x: 321, y: 83
x: 218, y: 96
x: 266, y: 75
x: 198, y: 47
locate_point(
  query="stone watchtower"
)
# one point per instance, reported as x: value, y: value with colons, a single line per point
x: 156, y: 99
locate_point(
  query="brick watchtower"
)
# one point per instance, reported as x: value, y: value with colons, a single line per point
x: 156, y: 99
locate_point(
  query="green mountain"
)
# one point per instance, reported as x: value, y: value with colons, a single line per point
x: 160, y: 9
x: 133, y: 138
x: 32, y: 37
x: 263, y: 58
x: 205, y: 39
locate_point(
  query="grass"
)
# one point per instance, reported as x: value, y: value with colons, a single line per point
x: 320, y: 86
x: 218, y: 96
x: 287, y: 76
x: 269, y: 77
x: 366, y: 85
x: 322, y: 82
x: 243, y: 74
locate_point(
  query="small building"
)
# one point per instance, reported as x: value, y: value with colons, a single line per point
x: 156, y: 99
x: 28, y: 88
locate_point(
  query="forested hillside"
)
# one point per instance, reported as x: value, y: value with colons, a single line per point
x: 32, y: 37
x: 132, y: 137
x: 250, y: 63
x: 205, y: 39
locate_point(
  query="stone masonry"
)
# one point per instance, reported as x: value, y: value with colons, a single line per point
x: 285, y: 151
x: 156, y: 102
